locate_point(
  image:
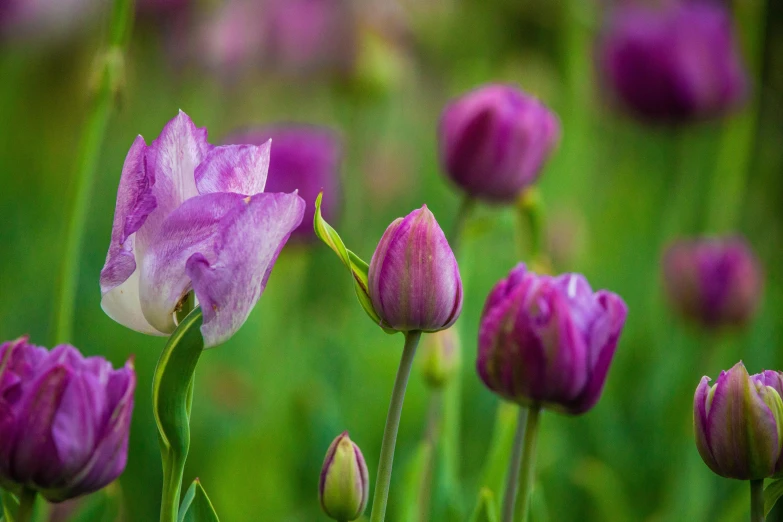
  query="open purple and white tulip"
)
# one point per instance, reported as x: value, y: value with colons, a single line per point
x: 413, y: 277
x: 344, y: 486
x: 738, y: 423
x: 64, y: 419
x: 548, y: 341
x: 191, y: 216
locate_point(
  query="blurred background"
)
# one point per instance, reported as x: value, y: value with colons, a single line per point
x: 624, y: 182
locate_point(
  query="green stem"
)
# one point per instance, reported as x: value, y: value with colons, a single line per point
x: 757, y: 500
x: 515, y: 463
x: 463, y: 213
x: 383, y: 480
x: 526, y: 472
x: 431, y: 437
x: 530, y: 208
x: 26, y: 505
x: 110, y: 73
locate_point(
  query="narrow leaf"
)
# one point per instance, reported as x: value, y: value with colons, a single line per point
x: 771, y: 495
x: 196, y: 506
x: 485, y: 511
x: 354, y: 263
x: 10, y: 506
x: 418, y: 484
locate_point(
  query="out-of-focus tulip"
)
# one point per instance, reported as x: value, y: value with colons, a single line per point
x: 494, y: 141
x: 440, y: 357
x: 304, y: 158
x: 713, y: 281
x: 230, y: 39
x: 738, y: 423
x: 43, y: 19
x: 344, y: 485
x: 64, y: 419
x: 413, y: 277
x: 193, y: 216
x: 676, y: 63
x: 548, y: 341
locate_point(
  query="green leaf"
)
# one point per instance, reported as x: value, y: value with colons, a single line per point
x: 172, y: 397
x: 10, y: 506
x: 771, y: 494
x: 418, y: 484
x: 354, y: 263
x: 196, y: 506
x: 485, y: 511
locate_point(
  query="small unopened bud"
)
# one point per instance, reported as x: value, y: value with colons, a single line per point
x: 440, y: 357
x: 344, y: 485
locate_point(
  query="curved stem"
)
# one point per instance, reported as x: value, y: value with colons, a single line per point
x: 463, y: 213
x: 383, y: 480
x: 26, y: 504
x: 526, y: 472
x: 515, y: 463
x: 757, y: 500
x: 90, y: 146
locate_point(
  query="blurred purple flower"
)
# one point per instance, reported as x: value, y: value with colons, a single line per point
x: 193, y: 216
x: 738, y: 423
x: 305, y: 158
x: 548, y: 340
x: 64, y: 419
x: 413, y: 277
x: 714, y: 281
x: 676, y: 63
x: 163, y: 6
x: 344, y: 486
x: 231, y: 38
x: 310, y: 36
x: 494, y: 141
x: 44, y: 19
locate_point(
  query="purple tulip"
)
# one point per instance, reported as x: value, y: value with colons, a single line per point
x: 413, y: 278
x: 64, y: 419
x: 673, y: 64
x: 495, y: 140
x: 344, y: 485
x: 715, y: 282
x: 305, y: 158
x: 548, y: 340
x: 230, y: 41
x: 193, y: 216
x: 737, y: 423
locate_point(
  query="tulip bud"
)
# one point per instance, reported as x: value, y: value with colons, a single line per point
x: 344, y: 485
x: 737, y: 423
x: 494, y: 141
x: 715, y: 282
x: 548, y: 340
x: 674, y: 64
x: 65, y: 419
x: 413, y: 277
x: 440, y: 357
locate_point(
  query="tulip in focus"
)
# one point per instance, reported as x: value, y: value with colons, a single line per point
x: 306, y: 158
x: 673, y: 64
x: 344, y: 485
x: 191, y: 216
x: 413, y: 277
x: 65, y: 420
x: 440, y: 357
x: 715, y: 282
x: 738, y: 423
x: 548, y: 341
x: 494, y: 141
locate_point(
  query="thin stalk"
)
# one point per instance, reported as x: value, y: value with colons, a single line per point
x: 26, y: 505
x: 383, y: 479
x: 757, y: 500
x: 463, y: 213
x: 515, y: 463
x: 431, y: 436
x: 109, y: 76
x: 526, y: 472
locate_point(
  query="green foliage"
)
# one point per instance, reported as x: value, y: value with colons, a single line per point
x: 486, y: 510
x: 196, y: 506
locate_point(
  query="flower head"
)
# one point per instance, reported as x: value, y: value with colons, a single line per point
x: 715, y: 282
x: 440, y: 357
x: 738, y: 423
x: 64, y: 419
x: 548, y: 340
x: 306, y: 159
x: 673, y: 64
x: 494, y: 141
x: 344, y: 485
x: 413, y: 278
x: 193, y: 216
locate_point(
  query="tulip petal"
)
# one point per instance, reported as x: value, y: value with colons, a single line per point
x: 123, y: 304
x: 701, y: 400
x: 223, y: 246
x: 241, y: 169
x: 171, y: 164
